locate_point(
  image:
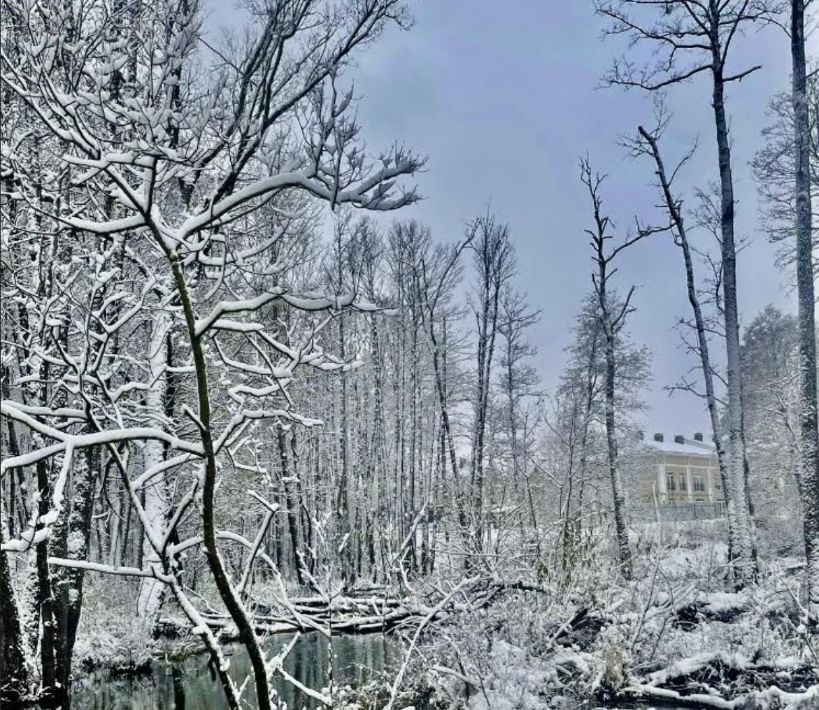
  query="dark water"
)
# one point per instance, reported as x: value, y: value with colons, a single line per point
x: 190, y: 684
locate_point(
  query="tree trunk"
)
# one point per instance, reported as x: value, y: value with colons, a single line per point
x: 617, y: 490
x: 809, y: 449
x: 67, y: 581
x: 290, y: 500
x: 740, y: 525
x: 49, y: 693
x: 151, y: 590
x: 227, y: 592
x: 13, y: 671
x: 673, y: 208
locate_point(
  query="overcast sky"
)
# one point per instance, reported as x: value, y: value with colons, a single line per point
x: 504, y: 97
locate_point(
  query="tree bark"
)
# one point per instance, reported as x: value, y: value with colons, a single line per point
x: 67, y: 582
x: 617, y: 490
x: 288, y: 472
x: 743, y: 562
x: 809, y: 439
x: 228, y: 594
x: 13, y: 671
x: 151, y: 590
x: 49, y: 693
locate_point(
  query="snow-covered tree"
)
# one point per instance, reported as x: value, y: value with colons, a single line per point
x: 170, y: 172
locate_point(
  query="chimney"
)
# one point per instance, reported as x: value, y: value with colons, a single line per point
x: 698, y: 436
x: 658, y: 437
x: 679, y: 439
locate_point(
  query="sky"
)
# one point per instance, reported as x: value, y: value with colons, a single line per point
x: 504, y: 98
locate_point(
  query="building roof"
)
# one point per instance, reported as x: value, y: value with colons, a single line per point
x: 689, y: 447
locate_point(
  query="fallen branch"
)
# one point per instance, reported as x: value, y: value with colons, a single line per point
x: 641, y: 692
x: 724, y: 681
x: 351, y: 614
x: 426, y: 620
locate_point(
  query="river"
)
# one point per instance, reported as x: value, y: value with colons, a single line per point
x: 190, y: 684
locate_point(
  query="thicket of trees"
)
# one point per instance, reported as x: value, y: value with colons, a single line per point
x: 211, y: 343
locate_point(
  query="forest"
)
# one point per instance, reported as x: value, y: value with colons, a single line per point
x: 271, y: 441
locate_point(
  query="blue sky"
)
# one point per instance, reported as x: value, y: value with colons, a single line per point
x: 504, y: 97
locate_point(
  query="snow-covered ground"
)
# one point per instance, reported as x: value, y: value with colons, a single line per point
x: 676, y: 634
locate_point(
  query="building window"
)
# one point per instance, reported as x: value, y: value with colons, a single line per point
x: 670, y: 484
x: 699, y: 484
x: 683, y: 482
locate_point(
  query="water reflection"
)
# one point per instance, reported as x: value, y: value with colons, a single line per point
x: 192, y: 684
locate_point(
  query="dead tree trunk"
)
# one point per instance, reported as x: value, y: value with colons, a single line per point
x: 674, y: 209
x: 612, y: 317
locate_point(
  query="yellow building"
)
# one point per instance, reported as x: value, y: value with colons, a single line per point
x: 679, y: 477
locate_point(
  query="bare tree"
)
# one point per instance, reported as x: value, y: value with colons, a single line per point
x: 493, y: 263
x: 648, y: 144
x: 578, y: 403
x: 612, y: 317
x: 690, y: 38
x: 775, y: 167
x: 578, y: 424
x: 439, y: 274
x: 518, y: 383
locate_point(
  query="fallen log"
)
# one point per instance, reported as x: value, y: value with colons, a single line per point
x: 727, y: 682
x: 174, y: 626
x: 348, y: 614
x: 754, y: 700
x: 725, y: 607
x: 730, y: 674
x: 580, y: 631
